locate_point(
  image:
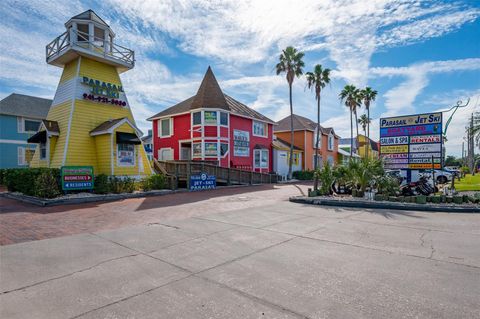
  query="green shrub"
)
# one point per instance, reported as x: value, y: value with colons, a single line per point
x: 2, y: 176
x: 153, y: 182
x: 457, y: 199
x: 435, y: 199
x: 23, y: 179
x: 421, y: 199
x: 379, y: 197
x: 46, y: 185
x: 303, y: 175
x: 326, y: 178
x: 102, y: 184
x: 122, y: 184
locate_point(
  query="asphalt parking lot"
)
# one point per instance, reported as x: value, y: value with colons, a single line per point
x: 280, y: 260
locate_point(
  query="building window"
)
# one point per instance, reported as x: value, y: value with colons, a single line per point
x: 296, y: 158
x: 211, y: 149
x: 260, y: 129
x: 330, y: 160
x: 330, y: 142
x: 27, y: 125
x: 165, y: 128
x: 209, y: 117
x: 223, y: 149
x: 260, y: 158
x: 197, y: 118
x: 165, y: 154
x: 197, y: 149
x: 24, y: 155
x: 43, y: 151
x: 82, y: 30
x: 223, y: 118
x: 125, y: 154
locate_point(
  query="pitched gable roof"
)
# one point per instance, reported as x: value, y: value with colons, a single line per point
x: 301, y: 123
x: 210, y: 95
x: 89, y: 15
x: 25, y: 105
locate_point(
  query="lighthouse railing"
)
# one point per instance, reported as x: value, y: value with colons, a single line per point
x: 97, y: 45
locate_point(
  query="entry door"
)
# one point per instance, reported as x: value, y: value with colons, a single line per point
x: 186, y: 151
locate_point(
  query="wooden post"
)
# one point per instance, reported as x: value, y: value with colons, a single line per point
x: 433, y: 174
x: 228, y: 176
x: 251, y: 177
x: 189, y: 172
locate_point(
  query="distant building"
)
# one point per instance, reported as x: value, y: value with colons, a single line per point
x: 281, y: 157
x: 148, y: 144
x: 363, y: 143
x: 212, y: 126
x: 20, y: 118
x: 304, y: 138
x: 359, y: 148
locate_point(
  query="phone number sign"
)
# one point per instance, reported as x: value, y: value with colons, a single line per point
x: 77, y: 178
x: 411, y: 141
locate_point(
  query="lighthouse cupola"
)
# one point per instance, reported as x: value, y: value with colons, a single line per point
x: 88, y: 35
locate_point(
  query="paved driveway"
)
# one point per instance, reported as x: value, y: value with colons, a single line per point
x: 277, y: 260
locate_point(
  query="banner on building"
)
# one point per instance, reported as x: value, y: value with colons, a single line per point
x: 241, y: 143
x: 412, y: 141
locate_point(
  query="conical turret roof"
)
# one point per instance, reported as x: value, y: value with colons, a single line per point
x: 209, y: 94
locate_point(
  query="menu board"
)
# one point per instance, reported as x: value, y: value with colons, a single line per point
x: 410, y: 142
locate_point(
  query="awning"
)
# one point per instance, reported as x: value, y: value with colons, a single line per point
x: 127, y: 138
x: 39, y: 137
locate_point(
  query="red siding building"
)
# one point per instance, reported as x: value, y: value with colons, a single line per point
x: 212, y: 126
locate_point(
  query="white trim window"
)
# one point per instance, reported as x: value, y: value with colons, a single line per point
x: 197, y: 118
x: 319, y: 161
x: 197, y: 150
x: 331, y: 142
x: 260, y: 158
x: 21, y: 156
x: 223, y: 119
x: 126, y: 155
x: 224, y: 149
x: 211, y: 149
x: 260, y: 129
x: 43, y: 151
x: 165, y: 154
x: 26, y: 125
x: 165, y: 127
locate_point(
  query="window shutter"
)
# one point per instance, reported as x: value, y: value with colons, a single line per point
x: 19, y: 124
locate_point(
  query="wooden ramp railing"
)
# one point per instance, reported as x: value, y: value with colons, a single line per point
x: 182, y: 170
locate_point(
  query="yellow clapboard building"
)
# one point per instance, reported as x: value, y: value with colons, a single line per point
x: 90, y: 121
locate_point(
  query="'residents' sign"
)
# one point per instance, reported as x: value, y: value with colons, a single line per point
x: 410, y: 142
x: 77, y: 178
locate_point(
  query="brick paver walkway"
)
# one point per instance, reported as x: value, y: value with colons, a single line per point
x: 20, y: 222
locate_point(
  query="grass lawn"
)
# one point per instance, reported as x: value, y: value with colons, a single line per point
x: 468, y: 183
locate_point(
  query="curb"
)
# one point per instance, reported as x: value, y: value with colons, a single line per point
x: 384, y: 205
x: 103, y: 198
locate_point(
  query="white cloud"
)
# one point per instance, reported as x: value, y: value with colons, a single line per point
x: 401, y: 98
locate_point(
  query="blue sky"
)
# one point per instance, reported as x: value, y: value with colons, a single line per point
x: 420, y: 56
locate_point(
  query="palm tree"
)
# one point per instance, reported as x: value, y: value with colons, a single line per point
x: 364, y: 121
x: 368, y: 96
x: 317, y: 79
x: 290, y: 62
x: 350, y: 95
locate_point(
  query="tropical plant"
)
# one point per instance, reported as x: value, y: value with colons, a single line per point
x: 327, y: 178
x: 350, y: 95
x: 364, y: 121
x: 317, y: 80
x: 290, y: 63
x: 368, y: 95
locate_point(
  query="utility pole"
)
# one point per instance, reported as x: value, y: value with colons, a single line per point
x: 471, y: 147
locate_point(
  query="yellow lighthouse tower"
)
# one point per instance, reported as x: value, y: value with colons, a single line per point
x: 90, y: 121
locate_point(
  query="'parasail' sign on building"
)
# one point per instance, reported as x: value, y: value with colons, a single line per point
x: 411, y: 141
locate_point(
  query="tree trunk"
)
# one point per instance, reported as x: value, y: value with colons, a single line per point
x: 351, y: 135
x: 356, y: 125
x: 368, y: 129
x: 290, y: 161
x: 315, y: 185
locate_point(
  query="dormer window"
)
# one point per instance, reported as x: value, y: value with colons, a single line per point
x: 330, y: 142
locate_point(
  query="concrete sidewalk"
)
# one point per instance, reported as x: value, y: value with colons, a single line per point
x: 274, y: 261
